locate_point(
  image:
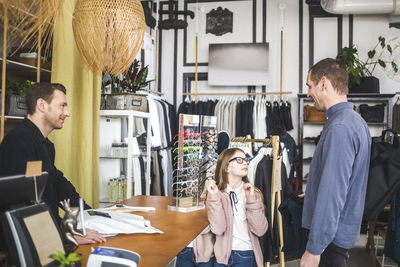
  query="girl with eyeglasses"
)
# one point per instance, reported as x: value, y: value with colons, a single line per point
x: 236, y: 212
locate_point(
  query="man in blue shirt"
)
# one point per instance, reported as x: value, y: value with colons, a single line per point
x: 336, y: 187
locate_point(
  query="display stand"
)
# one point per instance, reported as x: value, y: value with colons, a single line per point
x: 196, y: 141
x: 276, y: 186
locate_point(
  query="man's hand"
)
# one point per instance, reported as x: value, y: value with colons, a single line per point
x: 212, y: 187
x: 91, y: 237
x: 309, y: 260
x: 248, y: 189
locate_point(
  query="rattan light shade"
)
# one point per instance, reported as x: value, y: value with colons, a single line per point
x: 108, y: 33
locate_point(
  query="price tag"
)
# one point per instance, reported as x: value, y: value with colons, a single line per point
x: 33, y: 168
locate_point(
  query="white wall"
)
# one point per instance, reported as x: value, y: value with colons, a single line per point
x: 365, y: 35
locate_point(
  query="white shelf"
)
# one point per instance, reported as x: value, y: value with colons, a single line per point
x: 14, y: 117
x: 108, y: 134
x: 123, y: 113
x: 26, y: 71
x: 16, y: 63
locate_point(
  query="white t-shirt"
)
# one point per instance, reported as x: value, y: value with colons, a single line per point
x: 240, y: 238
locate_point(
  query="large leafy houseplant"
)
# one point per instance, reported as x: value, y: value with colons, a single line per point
x: 359, y: 69
x: 136, y: 78
x: 133, y: 80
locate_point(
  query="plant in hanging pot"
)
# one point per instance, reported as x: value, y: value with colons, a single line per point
x: 360, y: 72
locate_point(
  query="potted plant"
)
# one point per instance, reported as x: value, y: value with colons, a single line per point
x: 73, y: 259
x: 124, y: 87
x: 360, y: 72
x: 134, y: 79
x: 16, y: 92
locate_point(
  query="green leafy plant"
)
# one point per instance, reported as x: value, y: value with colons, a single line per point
x: 18, y: 88
x: 135, y: 78
x: 65, y: 261
x: 358, y: 69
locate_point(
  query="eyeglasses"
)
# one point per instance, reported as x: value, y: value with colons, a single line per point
x: 240, y: 160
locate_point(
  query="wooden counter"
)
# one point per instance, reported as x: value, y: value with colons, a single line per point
x: 156, y: 250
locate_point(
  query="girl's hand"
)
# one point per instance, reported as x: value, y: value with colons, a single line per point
x: 212, y: 187
x: 248, y: 189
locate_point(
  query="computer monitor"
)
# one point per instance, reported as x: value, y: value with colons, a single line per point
x: 32, y: 235
x: 17, y: 190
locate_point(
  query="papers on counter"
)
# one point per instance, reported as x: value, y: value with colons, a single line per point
x: 125, y: 208
x: 118, y: 223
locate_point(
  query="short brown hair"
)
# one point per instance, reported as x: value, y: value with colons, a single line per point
x: 42, y: 90
x: 221, y: 176
x: 334, y: 71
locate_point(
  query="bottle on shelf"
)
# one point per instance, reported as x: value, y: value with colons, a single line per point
x: 120, y: 189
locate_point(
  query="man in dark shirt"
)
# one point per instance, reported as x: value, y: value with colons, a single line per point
x: 337, y: 182
x: 47, y: 110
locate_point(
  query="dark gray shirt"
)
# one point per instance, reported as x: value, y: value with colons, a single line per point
x: 336, y: 188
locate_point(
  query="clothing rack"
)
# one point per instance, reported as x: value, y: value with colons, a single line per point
x: 276, y: 185
x: 254, y: 93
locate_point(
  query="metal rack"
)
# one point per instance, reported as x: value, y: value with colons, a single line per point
x: 355, y: 98
x: 276, y: 185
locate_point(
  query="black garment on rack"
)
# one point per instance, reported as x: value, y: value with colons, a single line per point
x: 396, y: 116
x: 287, y: 117
x: 392, y: 245
x: 277, y: 124
x: 157, y: 183
x: 249, y: 118
x: 294, y: 238
x: 142, y: 173
x: 201, y: 108
x: 163, y: 193
x: 183, y: 108
x: 269, y: 242
x: 244, y: 118
x: 268, y: 118
x: 291, y: 148
x: 239, y: 118
x: 166, y: 122
x: 173, y: 122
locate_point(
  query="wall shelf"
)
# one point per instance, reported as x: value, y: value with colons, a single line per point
x: 25, y: 71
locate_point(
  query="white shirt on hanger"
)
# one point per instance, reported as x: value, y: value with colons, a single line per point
x: 155, y: 123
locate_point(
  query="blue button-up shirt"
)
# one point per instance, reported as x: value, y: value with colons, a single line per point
x: 336, y: 187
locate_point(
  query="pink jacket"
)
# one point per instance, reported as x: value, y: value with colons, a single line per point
x: 203, y: 245
x: 220, y: 216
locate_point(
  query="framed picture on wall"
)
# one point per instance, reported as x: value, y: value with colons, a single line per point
x: 242, y: 28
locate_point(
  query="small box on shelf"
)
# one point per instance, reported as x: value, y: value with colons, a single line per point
x: 124, y: 101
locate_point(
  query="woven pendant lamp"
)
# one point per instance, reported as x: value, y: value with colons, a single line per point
x: 108, y: 33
